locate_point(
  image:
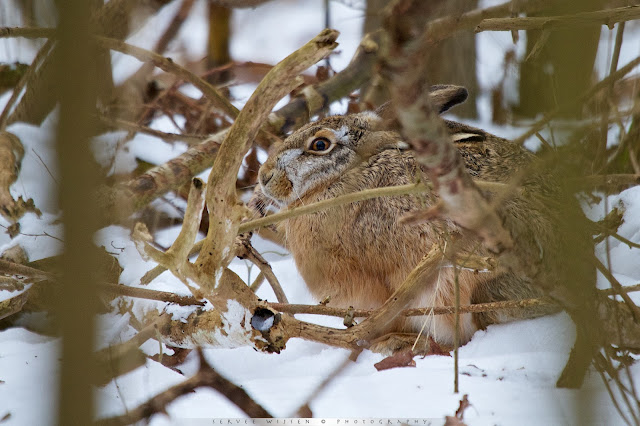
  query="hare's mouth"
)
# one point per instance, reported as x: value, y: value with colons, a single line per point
x: 277, y: 186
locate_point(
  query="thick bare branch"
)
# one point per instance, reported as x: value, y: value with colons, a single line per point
x: 433, y: 310
x: 224, y: 212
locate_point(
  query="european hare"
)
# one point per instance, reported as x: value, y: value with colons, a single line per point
x: 358, y: 254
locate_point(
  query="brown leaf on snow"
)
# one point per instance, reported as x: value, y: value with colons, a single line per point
x: 457, y: 419
x: 399, y: 359
x: 464, y: 404
x: 453, y: 421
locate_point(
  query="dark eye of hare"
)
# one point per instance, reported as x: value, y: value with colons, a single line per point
x: 320, y: 144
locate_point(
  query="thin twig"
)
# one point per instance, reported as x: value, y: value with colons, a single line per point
x: 412, y: 188
x: 539, y: 125
x: 145, y: 293
x: 27, y: 32
x: 169, y: 66
x: 602, y: 147
x: 618, y: 288
x: 445, y: 27
x: 28, y: 75
x: 619, y: 237
x: 167, y: 137
x: 250, y: 253
x: 255, y: 285
x: 353, y: 356
x: 116, y: 360
x: 607, y: 17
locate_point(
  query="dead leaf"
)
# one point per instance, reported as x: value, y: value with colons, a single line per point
x: 399, y: 359
x: 436, y: 349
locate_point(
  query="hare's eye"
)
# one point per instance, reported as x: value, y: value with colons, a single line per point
x: 320, y: 145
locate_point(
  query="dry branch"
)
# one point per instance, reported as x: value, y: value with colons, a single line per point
x: 122, y: 200
x: 24, y: 81
x: 422, y: 127
x: 205, y: 377
x: 441, y: 28
x: 167, y: 137
x: 114, y: 361
x: 224, y: 213
x: 572, y: 103
x: 144, y: 293
x: 607, y: 17
x: 247, y: 251
x: 433, y: 310
x: 176, y: 258
x: 27, y: 32
x: 169, y: 66
x: 12, y: 305
x: 358, y: 72
x: 13, y: 269
x: 236, y: 318
x: 618, y: 289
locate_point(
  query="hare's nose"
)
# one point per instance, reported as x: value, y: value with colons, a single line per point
x: 265, y: 177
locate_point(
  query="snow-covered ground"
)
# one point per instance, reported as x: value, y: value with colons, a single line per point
x: 508, y: 371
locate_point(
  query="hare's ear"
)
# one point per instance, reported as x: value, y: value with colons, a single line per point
x: 445, y: 96
x: 367, y: 119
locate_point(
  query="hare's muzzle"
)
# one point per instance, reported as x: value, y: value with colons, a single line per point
x: 275, y: 183
x: 265, y: 176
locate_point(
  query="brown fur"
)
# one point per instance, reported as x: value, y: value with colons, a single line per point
x: 359, y: 254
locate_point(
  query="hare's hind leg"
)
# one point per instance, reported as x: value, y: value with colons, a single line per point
x: 506, y: 287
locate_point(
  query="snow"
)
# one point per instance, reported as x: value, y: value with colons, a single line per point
x: 29, y: 366
x: 509, y: 371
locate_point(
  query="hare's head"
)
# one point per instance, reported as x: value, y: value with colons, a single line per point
x: 320, y: 153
